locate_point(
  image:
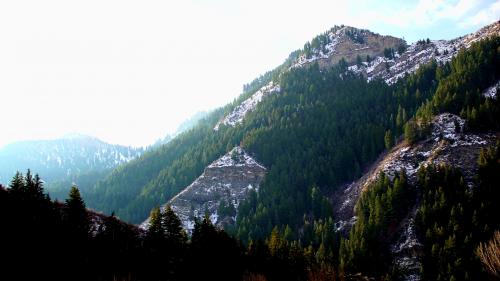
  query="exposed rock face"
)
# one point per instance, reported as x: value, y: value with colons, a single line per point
x: 348, y: 43
x: 448, y: 144
x: 226, y: 181
x: 399, y: 64
x: 407, y: 249
x: 492, y: 91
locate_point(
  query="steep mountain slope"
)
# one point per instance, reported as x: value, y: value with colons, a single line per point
x: 448, y: 144
x: 372, y: 55
x: 305, y: 123
x: 64, y: 158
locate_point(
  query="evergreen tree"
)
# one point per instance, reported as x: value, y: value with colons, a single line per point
x: 411, y: 132
x: 174, y: 233
x: 17, y: 183
x: 155, y: 225
x: 76, y: 213
x: 388, y: 139
x: 379, y: 209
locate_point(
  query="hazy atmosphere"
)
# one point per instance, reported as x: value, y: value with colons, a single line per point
x: 250, y: 140
x: 129, y: 73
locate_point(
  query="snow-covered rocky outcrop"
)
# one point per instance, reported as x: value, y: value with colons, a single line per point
x: 448, y: 143
x: 492, y: 91
x: 399, y: 63
x: 407, y: 249
x: 227, y: 181
x: 418, y: 54
x: 248, y: 105
x: 346, y: 42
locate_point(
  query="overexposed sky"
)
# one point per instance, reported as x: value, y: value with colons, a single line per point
x: 128, y: 72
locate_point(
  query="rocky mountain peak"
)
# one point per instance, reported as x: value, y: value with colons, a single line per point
x: 366, y: 53
x: 345, y: 42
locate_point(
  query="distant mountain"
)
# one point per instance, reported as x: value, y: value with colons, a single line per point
x: 63, y: 159
x: 184, y: 126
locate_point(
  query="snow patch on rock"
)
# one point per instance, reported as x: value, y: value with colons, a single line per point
x: 407, y: 250
x: 447, y: 143
x: 492, y: 91
x: 228, y: 179
x: 343, y: 225
x: 248, y: 105
x: 334, y: 38
x: 237, y: 157
x: 442, y: 51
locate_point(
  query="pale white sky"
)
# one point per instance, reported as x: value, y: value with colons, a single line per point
x: 129, y: 72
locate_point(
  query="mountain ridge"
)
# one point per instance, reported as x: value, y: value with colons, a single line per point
x: 394, y: 61
x: 413, y: 132
x: 162, y: 183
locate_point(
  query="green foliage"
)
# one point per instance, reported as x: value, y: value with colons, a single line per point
x: 76, y: 213
x: 359, y: 61
x: 462, y: 82
x: 159, y: 174
x: 339, y: 121
x: 321, y: 131
x: 211, y: 249
x: 48, y: 235
x: 226, y: 209
x: 155, y: 230
x: 85, y: 181
x: 453, y: 218
x: 389, y: 53
x: 132, y: 190
x: 355, y: 35
x: 379, y: 211
x: 388, y: 139
x: 411, y: 132
x: 75, y: 200
x: 279, y: 258
x: 174, y: 233
x: 401, y: 48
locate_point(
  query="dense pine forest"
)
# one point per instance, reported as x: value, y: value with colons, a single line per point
x: 321, y: 131
x: 51, y: 240
x: 61, y: 241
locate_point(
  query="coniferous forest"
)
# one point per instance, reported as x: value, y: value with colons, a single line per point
x: 323, y: 130
x: 66, y: 241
